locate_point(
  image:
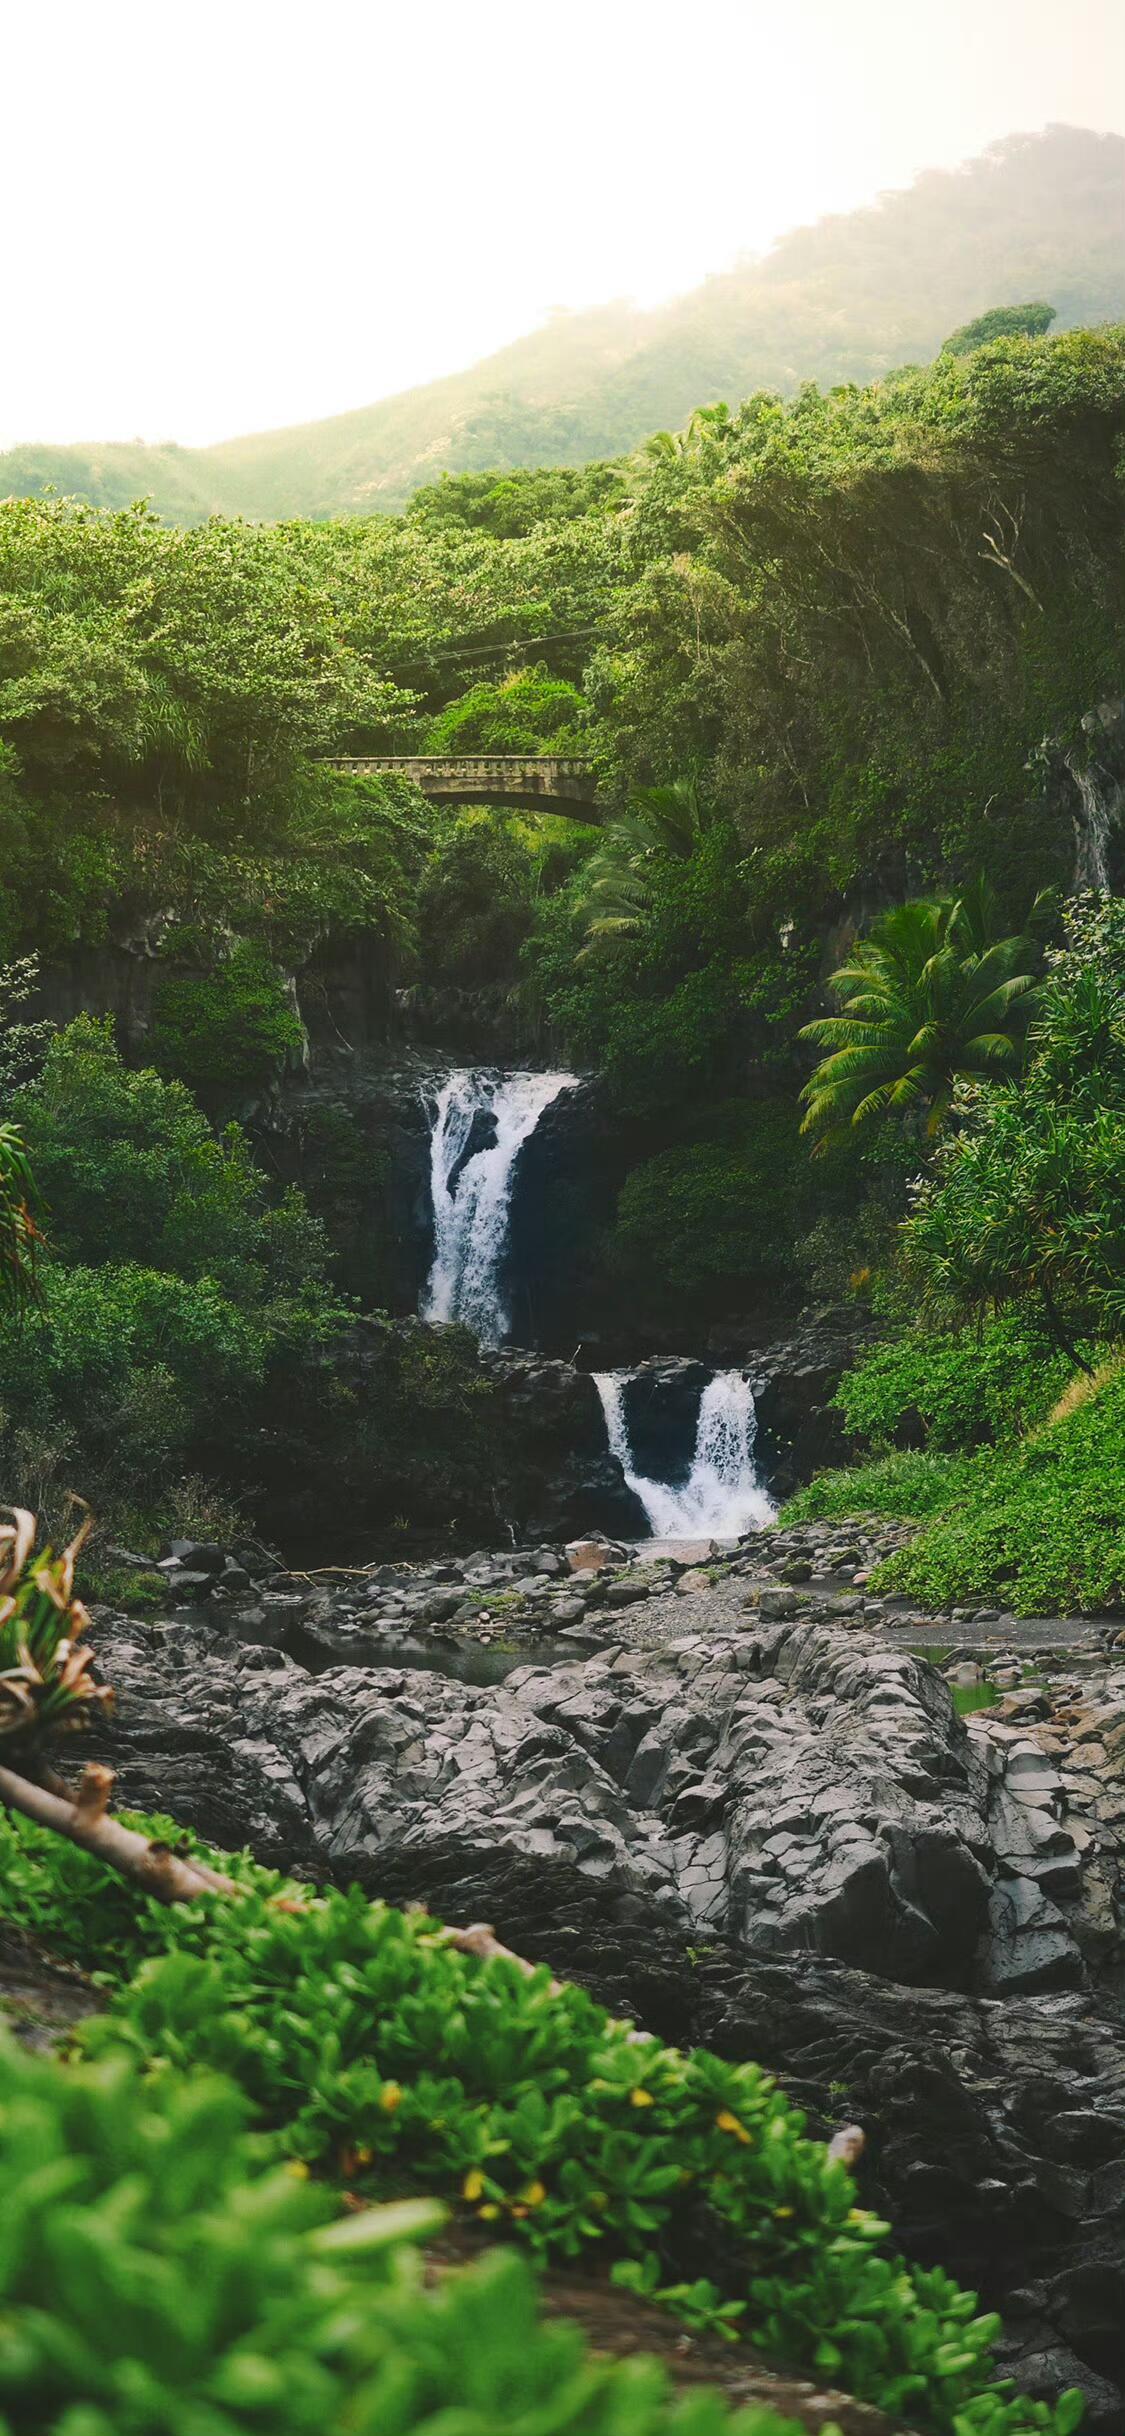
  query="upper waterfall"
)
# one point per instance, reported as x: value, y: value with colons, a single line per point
x: 723, y: 1496
x: 480, y: 1122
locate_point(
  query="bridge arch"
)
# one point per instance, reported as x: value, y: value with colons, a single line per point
x: 529, y: 782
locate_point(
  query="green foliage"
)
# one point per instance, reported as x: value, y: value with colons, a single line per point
x: 361, y: 2033
x: 953, y: 1388
x: 618, y: 883
x: 900, y: 1486
x: 476, y: 904
x: 529, y: 711
x: 724, y: 1212
x: 162, y: 2278
x: 1038, y: 1527
x: 1027, y: 1200
x: 178, y: 1296
x: 20, y: 1237
x: 671, y: 1007
x: 165, y: 699
x: 929, y: 995
x: 1002, y: 321
x: 226, y: 1030
x: 1036, y: 1524
x: 866, y: 607
x: 510, y: 505
x: 23, y: 1046
x: 131, y: 1171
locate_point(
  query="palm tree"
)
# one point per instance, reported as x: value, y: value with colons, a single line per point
x: 659, y: 821
x: 929, y: 995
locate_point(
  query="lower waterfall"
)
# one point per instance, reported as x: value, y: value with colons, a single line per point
x: 723, y: 1496
x: 471, y: 1185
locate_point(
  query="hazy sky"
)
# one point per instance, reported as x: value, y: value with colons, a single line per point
x: 237, y: 213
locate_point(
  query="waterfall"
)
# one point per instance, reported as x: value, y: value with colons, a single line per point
x: 723, y: 1496
x: 480, y: 1123
x: 1097, y: 813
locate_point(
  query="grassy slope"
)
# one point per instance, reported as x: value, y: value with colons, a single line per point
x: 1037, y: 1526
x: 845, y: 300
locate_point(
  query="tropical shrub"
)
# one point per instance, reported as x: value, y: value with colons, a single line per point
x: 899, y: 1485
x: 1026, y: 1202
x: 227, y: 1030
x: 45, y: 1681
x: 177, y: 1305
x: 160, y: 2277
x: 20, y: 1236
x: 952, y: 1388
x: 129, y: 1169
x: 529, y: 711
x: 373, y: 2045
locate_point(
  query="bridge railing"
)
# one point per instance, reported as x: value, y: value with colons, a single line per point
x: 467, y: 766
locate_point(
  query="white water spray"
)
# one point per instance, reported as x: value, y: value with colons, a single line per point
x: 723, y: 1496
x: 472, y: 1194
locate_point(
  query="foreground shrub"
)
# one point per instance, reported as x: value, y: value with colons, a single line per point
x: 375, y: 2048
x: 158, y: 2277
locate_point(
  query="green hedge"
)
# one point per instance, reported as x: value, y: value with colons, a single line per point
x: 159, y: 2276
x: 375, y: 2050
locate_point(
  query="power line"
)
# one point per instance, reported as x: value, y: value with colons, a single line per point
x: 500, y: 643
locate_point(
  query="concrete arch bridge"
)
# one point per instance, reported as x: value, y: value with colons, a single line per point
x: 530, y: 783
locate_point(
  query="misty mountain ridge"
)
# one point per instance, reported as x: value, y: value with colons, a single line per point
x: 849, y: 298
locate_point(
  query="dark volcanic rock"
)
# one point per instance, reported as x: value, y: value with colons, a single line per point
x: 781, y: 1840
x: 794, y: 1381
x: 662, y: 1401
x: 560, y: 1478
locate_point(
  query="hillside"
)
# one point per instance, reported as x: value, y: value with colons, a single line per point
x: 846, y: 300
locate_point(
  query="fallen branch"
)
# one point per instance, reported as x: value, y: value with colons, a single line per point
x: 83, y: 1819
x: 482, y: 1941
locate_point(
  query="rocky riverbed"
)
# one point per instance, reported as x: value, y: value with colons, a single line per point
x: 723, y: 1789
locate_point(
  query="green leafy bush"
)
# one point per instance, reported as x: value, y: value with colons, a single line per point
x: 1026, y: 1203
x: 159, y: 2277
x: 130, y: 1169
x: 226, y: 1030
x: 898, y: 1485
x: 529, y: 711
x: 1038, y: 1527
x: 953, y: 1388
x: 375, y: 2047
x: 177, y: 1305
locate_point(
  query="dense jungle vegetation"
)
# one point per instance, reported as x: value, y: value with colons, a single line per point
x: 812, y: 650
